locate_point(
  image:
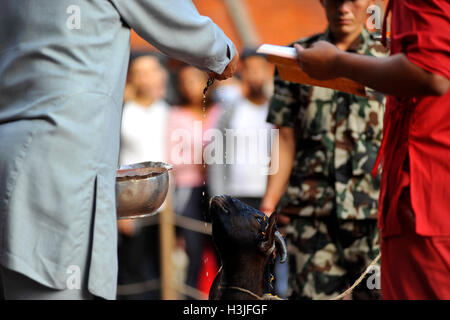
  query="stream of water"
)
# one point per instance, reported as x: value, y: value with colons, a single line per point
x: 209, y: 83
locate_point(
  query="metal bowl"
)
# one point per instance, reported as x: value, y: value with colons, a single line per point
x: 141, y: 189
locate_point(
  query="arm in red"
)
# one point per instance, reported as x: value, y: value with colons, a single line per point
x: 394, y: 75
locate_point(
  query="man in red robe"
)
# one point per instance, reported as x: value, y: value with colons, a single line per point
x: 414, y: 209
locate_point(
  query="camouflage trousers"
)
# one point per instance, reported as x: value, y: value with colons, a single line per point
x: 326, y: 256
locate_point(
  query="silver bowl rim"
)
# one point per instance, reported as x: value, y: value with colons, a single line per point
x: 126, y: 171
x: 146, y: 164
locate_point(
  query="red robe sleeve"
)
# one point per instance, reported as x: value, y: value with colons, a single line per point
x: 423, y: 33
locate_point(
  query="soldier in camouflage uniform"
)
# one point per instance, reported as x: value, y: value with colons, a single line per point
x: 331, y: 197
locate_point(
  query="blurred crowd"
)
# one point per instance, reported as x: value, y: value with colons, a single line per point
x: 165, y: 118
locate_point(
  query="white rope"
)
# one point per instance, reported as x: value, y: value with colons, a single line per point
x: 358, y: 281
x: 268, y: 296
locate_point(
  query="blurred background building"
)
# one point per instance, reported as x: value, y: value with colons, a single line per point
x: 252, y: 22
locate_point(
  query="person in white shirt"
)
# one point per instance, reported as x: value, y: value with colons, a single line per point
x: 143, y: 138
x: 144, y: 119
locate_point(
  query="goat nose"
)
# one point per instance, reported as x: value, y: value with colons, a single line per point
x: 217, y: 204
x: 215, y: 198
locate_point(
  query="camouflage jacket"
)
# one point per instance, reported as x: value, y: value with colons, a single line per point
x: 337, y: 140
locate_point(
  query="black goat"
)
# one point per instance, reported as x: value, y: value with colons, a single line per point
x: 247, y: 241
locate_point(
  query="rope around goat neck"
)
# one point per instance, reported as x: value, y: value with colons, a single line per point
x: 358, y: 281
x: 268, y: 296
